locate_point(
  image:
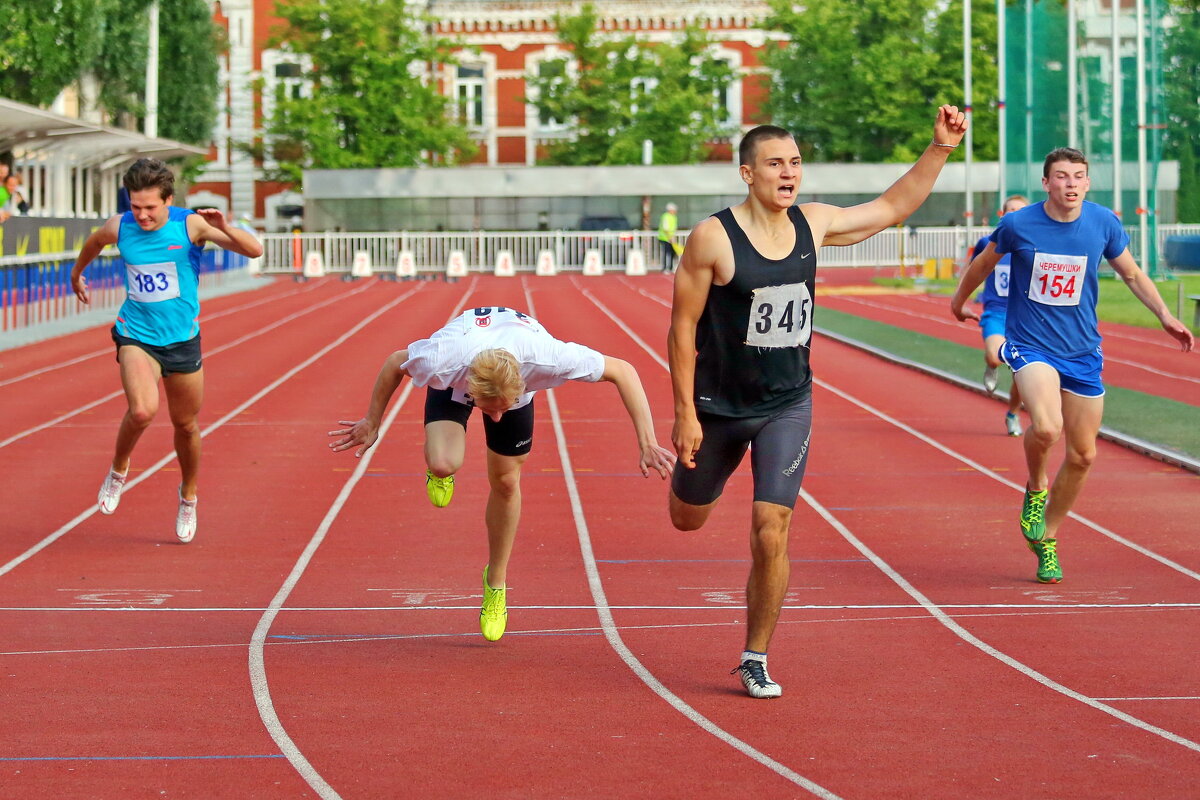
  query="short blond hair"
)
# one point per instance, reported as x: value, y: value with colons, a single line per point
x: 495, y: 373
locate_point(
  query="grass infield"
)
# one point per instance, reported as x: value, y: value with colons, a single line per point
x: 1167, y: 423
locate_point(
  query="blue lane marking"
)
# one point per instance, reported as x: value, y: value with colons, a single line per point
x: 130, y: 758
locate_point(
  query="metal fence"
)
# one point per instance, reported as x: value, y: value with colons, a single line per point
x: 431, y: 251
x: 36, y: 289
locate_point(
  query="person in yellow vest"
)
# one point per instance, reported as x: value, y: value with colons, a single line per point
x: 667, y: 225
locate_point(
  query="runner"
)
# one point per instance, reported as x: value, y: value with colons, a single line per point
x: 741, y: 319
x: 1052, y: 337
x: 157, y: 332
x: 495, y: 359
x: 991, y: 323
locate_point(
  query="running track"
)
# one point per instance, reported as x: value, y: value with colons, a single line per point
x: 320, y: 638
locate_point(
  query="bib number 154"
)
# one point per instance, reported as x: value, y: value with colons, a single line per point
x: 780, y: 316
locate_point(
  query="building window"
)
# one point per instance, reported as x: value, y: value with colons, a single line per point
x: 554, y: 71
x: 469, y: 91
x: 283, y: 76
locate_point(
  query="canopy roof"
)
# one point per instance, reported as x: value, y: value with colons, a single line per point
x: 32, y: 132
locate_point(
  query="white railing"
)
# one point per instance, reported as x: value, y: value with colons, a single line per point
x: 431, y: 250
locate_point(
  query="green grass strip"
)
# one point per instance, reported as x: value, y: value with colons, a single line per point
x: 1158, y: 420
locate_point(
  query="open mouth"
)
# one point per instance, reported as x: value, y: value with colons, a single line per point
x: 788, y: 190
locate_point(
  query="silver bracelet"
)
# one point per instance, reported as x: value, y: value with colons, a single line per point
x: 939, y: 144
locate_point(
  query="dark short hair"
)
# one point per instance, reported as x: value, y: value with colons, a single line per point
x: 1062, y: 154
x: 749, y: 145
x: 150, y: 173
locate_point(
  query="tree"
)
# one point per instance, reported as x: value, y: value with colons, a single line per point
x: 1182, y: 97
x: 858, y: 81
x: 41, y: 52
x: 623, y: 91
x: 372, y: 103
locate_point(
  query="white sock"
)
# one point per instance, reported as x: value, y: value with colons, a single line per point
x: 753, y: 655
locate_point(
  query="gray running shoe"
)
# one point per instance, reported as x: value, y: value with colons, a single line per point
x: 756, y: 680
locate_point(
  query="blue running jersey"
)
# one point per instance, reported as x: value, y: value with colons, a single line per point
x: 162, y: 274
x: 995, y: 287
x: 1052, y: 305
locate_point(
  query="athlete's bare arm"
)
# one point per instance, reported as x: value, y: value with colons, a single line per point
x: 103, y: 236
x: 623, y: 375
x: 1144, y: 289
x: 365, y: 432
x: 975, y: 274
x: 832, y: 225
x: 210, y: 225
x: 707, y: 248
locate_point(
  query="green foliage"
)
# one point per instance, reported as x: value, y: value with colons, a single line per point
x: 624, y: 91
x: 370, y: 105
x: 1181, y: 83
x: 44, y: 46
x: 859, y: 81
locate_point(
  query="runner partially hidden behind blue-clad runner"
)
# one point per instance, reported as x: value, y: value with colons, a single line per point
x: 157, y: 333
x: 495, y: 359
x: 991, y: 323
x: 741, y: 319
x: 1052, y: 335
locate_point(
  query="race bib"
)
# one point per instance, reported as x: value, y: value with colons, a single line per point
x: 780, y: 316
x: 1002, y: 277
x: 153, y: 283
x: 1057, y: 280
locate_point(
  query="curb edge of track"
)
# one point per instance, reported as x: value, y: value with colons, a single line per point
x: 1125, y: 440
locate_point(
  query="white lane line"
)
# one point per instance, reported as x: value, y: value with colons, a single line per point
x: 254, y: 334
x: 997, y: 477
x: 959, y: 325
x: 1047, y: 607
x: 971, y: 639
x: 613, y: 635
x: 257, y: 665
x: 954, y: 626
x: 107, y: 350
x: 162, y: 462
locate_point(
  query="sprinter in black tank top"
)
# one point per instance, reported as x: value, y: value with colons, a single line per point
x: 741, y: 321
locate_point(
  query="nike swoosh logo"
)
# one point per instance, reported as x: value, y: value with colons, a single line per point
x: 806, y: 255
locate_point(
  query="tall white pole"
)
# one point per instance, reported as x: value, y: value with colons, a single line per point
x: 152, y: 75
x: 1116, y: 107
x: 1001, y: 107
x: 1142, y: 210
x: 1030, y: 181
x: 967, y: 141
x: 1072, y: 78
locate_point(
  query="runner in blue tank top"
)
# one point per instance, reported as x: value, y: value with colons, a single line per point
x: 741, y: 320
x: 994, y: 298
x: 157, y: 332
x: 1052, y: 335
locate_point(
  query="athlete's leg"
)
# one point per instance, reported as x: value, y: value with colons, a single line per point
x: 503, y: 513
x: 445, y: 447
x: 1039, y: 386
x: 1081, y: 423
x: 139, y: 377
x: 185, y: 393
x: 991, y: 348
x: 685, y: 516
x: 769, y: 572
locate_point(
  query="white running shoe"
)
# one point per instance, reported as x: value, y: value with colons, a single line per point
x: 185, y: 521
x: 1013, y: 423
x: 110, y: 491
x: 756, y: 680
x: 990, y: 379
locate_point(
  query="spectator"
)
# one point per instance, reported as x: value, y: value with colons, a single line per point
x: 667, y: 225
x: 15, y: 202
x: 5, y: 170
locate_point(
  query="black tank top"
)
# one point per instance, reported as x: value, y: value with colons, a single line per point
x: 752, y: 340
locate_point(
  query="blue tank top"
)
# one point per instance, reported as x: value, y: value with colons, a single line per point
x: 162, y: 275
x: 1055, y: 269
x: 995, y: 287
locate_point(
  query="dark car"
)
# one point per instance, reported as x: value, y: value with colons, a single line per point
x: 613, y: 237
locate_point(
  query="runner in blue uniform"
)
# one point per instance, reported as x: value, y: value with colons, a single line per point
x: 991, y: 323
x: 741, y: 319
x: 157, y: 332
x: 1052, y: 335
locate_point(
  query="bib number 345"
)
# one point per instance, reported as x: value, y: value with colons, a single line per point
x: 780, y: 316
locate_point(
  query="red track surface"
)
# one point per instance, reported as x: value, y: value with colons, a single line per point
x: 320, y: 635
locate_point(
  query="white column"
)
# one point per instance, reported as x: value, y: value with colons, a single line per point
x: 1143, y: 218
x: 968, y: 140
x: 151, y: 127
x: 1001, y: 100
x: 1116, y: 106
